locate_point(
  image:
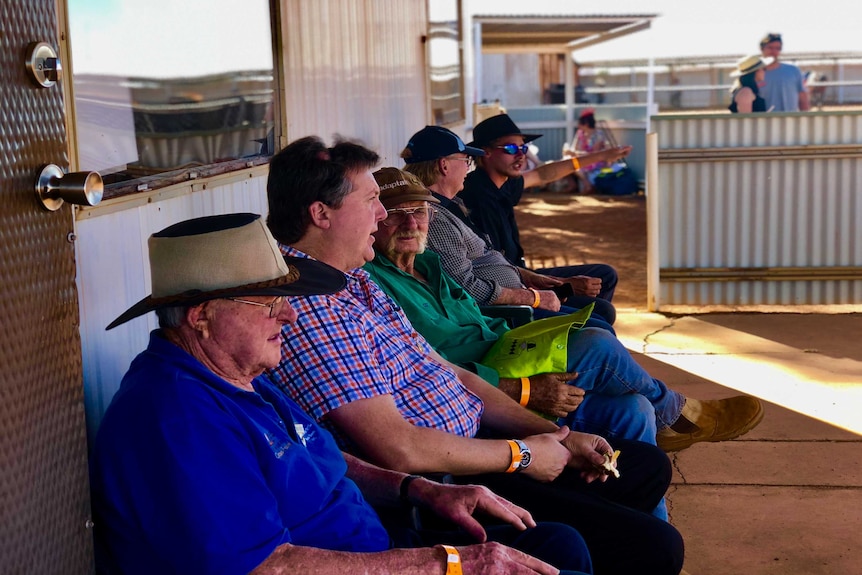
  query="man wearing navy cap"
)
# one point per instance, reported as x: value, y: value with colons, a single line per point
x: 470, y: 254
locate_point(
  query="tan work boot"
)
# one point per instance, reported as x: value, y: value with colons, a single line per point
x: 711, y: 420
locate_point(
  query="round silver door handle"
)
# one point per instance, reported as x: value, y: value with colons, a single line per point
x: 42, y: 64
x: 53, y: 187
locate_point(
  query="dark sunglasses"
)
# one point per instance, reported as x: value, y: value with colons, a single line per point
x: 513, y: 149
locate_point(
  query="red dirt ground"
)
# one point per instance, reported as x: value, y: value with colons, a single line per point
x: 567, y: 229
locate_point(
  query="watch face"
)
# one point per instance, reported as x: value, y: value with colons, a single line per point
x: 526, y: 458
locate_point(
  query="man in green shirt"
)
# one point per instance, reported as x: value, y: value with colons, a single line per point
x: 604, y: 391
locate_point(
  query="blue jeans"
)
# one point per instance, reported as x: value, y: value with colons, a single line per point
x: 609, y: 278
x: 607, y: 369
x: 595, y: 320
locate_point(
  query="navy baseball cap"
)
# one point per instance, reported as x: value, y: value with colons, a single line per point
x: 432, y: 142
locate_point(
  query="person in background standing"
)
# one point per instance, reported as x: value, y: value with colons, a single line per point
x: 784, y: 90
x: 745, y: 93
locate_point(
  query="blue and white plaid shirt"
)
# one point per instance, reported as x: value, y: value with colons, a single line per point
x: 358, y: 344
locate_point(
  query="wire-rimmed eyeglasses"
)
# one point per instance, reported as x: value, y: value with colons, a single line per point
x: 468, y: 160
x: 397, y: 216
x: 513, y: 149
x: 275, y: 306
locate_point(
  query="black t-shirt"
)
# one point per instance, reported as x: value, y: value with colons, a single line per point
x: 492, y: 211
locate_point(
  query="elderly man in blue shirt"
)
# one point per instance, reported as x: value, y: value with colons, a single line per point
x: 203, y: 466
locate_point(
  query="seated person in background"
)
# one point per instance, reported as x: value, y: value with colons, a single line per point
x: 587, y: 140
x: 621, y: 399
x: 441, y: 161
x: 355, y: 363
x: 200, y: 466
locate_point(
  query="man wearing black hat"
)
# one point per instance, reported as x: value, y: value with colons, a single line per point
x: 495, y: 187
x: 203, y: 466
x: 441, y: 161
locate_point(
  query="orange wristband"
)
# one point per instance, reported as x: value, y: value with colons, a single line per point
x: 453, y: 560
x: 516, y: 456
x: 525, y: 391
x: 576, y: 163
x: 537, y: 297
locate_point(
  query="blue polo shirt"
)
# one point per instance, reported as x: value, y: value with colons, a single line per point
x: 191, y: 474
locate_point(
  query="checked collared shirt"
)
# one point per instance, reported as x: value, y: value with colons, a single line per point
x: 357, y: 344
x: 471, y: 261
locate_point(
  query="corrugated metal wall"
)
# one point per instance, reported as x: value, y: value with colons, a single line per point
x: 356, y: 68
x: 760, y: 209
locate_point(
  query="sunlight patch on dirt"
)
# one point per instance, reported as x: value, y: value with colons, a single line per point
x: 582, y: 205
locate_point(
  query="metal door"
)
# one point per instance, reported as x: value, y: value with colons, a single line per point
x: 44, y: 494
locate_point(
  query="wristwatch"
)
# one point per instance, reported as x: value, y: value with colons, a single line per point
x: 521, y: 456
x: 526, y: 455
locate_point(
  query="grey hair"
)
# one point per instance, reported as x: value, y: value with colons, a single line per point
x: 172, y: 317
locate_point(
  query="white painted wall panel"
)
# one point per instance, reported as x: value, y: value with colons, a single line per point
x: 114, y: 273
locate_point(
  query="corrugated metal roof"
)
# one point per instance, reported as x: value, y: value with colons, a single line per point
x: 720, y: 59
x: 549, y: 33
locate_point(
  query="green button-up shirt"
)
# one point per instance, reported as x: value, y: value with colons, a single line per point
x: 441, y: 311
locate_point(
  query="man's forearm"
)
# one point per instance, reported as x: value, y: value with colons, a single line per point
x: 379, y: 486
x: 502, y: 413
x: 804, y: 101
x: 515, y: 296
x: 388, y: 440
x: 287, y: 559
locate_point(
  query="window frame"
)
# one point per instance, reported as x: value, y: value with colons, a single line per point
x: 186, y: 175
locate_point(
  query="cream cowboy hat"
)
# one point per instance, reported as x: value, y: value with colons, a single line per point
x: 750, y: 64
x: 225, y: 256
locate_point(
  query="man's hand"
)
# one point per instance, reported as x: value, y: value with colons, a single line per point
x: 459, y: 504
x: 497, y: 559
x: 550, y: 454
x: 551, y: 393
x: 538, y: 281
x: 585, y: 285
x: 548, y: 300
x: 614, y: 154
x: 587, y: 454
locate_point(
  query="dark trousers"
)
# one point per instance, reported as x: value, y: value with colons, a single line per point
x: 609, y: 278
x: 554, y: 543
x: 613, y: 517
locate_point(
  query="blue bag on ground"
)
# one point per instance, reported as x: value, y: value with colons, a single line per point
x: 616, y: 181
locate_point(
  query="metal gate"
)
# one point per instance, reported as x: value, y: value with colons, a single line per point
x: 44, y: 495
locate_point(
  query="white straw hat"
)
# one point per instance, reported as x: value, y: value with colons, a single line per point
x: 750, y: 64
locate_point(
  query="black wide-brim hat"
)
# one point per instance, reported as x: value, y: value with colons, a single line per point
x: 224, y: 256
x: 495, y: 127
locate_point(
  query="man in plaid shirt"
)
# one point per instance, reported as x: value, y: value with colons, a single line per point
x: 355, y: 363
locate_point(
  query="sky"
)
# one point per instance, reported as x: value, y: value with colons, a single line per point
x: 704, y: 28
